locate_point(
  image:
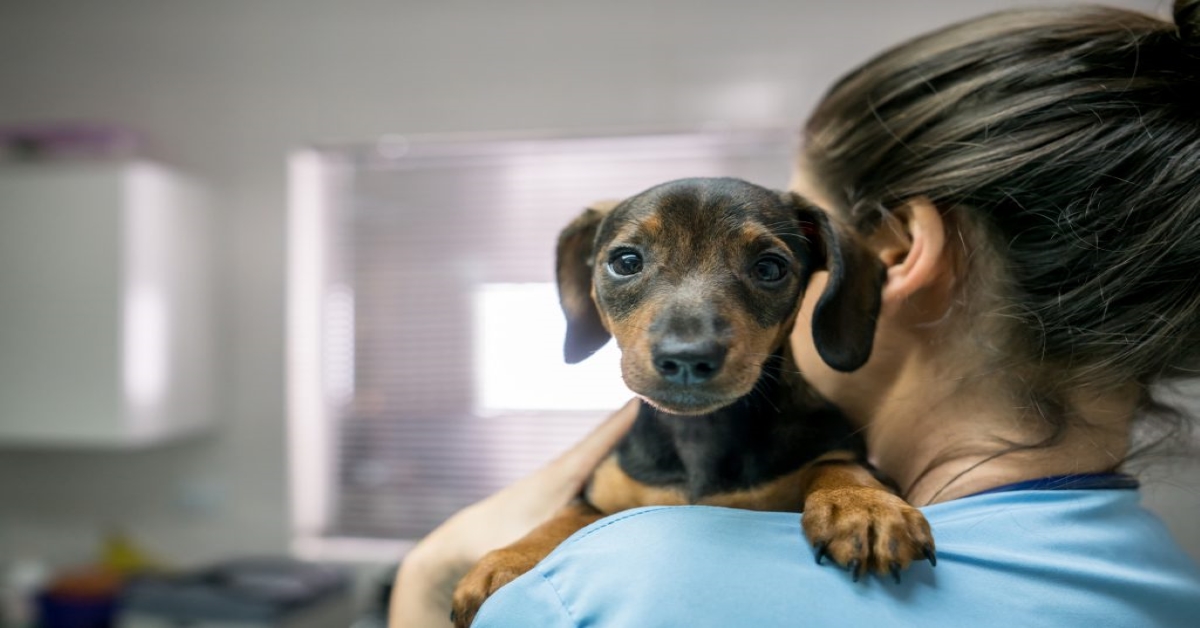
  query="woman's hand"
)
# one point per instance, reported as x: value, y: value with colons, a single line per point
x: 429, y: 573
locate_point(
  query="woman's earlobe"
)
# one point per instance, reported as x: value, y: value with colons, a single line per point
x: 912, y: 246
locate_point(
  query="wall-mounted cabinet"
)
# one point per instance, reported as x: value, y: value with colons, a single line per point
x: 105, y: 315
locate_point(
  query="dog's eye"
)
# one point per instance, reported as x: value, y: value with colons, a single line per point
x: 625, y: 263
x: 770, y: 269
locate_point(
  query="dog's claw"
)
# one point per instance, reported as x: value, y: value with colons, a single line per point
x: 895, y: 569
x: 821, y: 550
x: 930, y: 555
x: 853, y: 567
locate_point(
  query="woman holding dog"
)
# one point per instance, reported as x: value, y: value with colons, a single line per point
x: 1031, y: 182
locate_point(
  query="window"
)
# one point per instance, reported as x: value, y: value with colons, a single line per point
x: 425, y: 336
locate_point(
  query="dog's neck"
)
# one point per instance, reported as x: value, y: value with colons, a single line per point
x: 764, y: 434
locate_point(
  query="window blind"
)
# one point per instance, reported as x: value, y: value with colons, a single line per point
x: 426, y: 364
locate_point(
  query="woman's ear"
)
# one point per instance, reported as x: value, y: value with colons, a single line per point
x: 911, y: 243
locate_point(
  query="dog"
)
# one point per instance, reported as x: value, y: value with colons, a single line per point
x: 699, y: 281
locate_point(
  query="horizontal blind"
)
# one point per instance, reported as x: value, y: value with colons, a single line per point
x: 417, y: 231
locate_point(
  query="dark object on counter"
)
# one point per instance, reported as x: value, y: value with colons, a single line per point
x: 64, y: 140
x: 275, y: 592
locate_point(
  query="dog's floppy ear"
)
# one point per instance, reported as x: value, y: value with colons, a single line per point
x: 843, y: 321
x: 585, y: 331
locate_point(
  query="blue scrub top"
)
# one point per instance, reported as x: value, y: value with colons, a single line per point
x: 1011, y: 558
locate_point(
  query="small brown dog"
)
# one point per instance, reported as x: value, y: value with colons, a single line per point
x: 699, y: 281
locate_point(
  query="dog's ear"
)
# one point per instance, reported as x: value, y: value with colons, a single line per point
x: 843, y: 321
x: 585, y: 331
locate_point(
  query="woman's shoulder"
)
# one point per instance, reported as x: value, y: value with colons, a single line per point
x: 1044, y: 555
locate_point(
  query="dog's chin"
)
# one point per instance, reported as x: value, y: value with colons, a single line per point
x: 687, y: 403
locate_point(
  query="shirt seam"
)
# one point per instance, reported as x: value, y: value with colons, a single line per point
x: 623, y: 517
x: 561, y: 602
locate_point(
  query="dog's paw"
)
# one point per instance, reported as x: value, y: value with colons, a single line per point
x: 494, y: 570
x: 865, y: 529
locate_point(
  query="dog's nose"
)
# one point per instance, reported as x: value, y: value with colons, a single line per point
x: 688, y: 362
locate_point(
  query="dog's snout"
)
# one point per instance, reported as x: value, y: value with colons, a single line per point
x: 688, y: 362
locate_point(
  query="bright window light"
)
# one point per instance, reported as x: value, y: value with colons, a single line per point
x: 519, y: 331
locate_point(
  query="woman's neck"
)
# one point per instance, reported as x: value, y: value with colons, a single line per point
x: 942, y: 437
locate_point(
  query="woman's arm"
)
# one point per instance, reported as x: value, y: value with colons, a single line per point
x: 429, y: 573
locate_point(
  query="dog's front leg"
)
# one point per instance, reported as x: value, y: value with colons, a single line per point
x: 852, y: 518
x: 499, y: 567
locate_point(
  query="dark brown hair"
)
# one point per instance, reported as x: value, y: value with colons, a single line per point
x: 1067, y: 142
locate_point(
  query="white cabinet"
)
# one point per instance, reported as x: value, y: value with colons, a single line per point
x: 105, y: 323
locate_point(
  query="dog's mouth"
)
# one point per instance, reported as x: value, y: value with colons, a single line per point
x: 691, y: 400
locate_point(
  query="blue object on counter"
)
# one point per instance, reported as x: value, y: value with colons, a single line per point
x: 69, y: 612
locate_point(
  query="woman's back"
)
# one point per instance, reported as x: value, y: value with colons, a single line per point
x: 1013, y: 558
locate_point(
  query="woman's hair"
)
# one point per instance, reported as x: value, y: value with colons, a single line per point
x: 1064, y: 144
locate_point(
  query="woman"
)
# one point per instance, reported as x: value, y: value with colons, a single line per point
x: 1031, y: 180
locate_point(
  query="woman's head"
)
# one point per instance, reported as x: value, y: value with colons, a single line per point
x: 1063, y: 147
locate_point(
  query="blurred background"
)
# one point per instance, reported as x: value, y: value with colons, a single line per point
x: 286, y: 136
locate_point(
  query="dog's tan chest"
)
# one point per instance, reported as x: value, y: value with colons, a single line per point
x: 612, y: 490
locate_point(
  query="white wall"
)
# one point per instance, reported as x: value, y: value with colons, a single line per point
x: 224, y: 89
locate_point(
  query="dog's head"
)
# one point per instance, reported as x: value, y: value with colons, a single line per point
x: 700, y: 280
